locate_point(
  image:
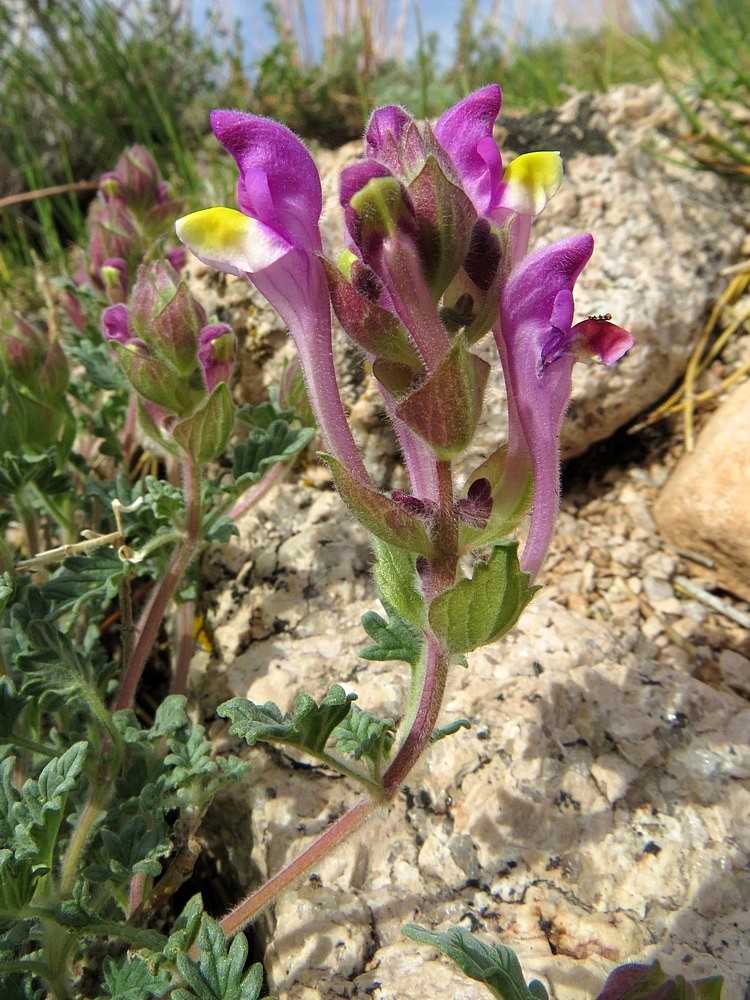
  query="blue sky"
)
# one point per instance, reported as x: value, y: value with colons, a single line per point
x: 535, y: 17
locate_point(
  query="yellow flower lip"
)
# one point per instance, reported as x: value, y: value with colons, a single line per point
x: 531, y: 180
x: 230, y: 240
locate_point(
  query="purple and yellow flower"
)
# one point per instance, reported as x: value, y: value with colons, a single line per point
x: 274, y: 240
x: 438, y: 234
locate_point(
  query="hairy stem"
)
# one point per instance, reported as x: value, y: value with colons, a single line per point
x: 272, y: 478
x: 425, y: 700
x: 417, y: 738
x: 185, y: 642
x: 127, y: 625
x: 335, y: 834
x: 153, y: 613
x: 99, y: 793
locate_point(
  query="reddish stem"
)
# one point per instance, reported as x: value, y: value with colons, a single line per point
x: 332, y: 837
x: 156, y: 608
x: 411, y: 749
x: 185, y: 643
x: 421, y: 718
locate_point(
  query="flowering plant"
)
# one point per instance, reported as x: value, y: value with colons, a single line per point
x: 101, y: 810
x: 437, y: 259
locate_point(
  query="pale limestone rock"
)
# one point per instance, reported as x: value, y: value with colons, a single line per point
x: 705, y: 506
x: 598, y: 812
x: 735, y: 670
x: 321, y: 934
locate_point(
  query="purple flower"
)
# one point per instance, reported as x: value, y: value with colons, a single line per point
x: 464, y: 138
x: 539, y: 345
x: 438, y: 235
x: 116, y: 325
x: 217, y: 351
x: 274, y: 241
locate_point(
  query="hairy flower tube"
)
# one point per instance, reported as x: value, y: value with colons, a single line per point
x: 539, y: 345
x: 275, y: 241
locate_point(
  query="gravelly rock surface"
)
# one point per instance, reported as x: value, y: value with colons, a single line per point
x: 598, y: 810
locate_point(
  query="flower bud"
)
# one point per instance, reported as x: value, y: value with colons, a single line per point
x: 166, y: 316
x: 153, y: 379
x: 217, y: 350
x: 110, y: 186
x: 37, y: 363
x: 113, y: 235
x: 378, y: 210
x: 139, y: 176
x: 114, y: 275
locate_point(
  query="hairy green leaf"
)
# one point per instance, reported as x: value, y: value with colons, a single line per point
x: 396, y: 579
x: 308, y: 726
x: 382, y: 515
x: 190, y: 758
x: 19, y: 470
x: 171, y: 716
x: 394, y: 639
x: 449, y: 729
x: 132, y: 979
x: 128, y: 850
x: 361, y: 735
x: 480, y: 610
x: 267, y: 446
x: 219, y: 972
x: 265, y: 414
x: 39, y: 811
x: 192, y: 773
x: 498, y: 968
x: 165, y: 500
x: 184, y: 933
x: 97, y: 361
x: 56, y: 674
x: 84, y: 579
x: 17, y: 885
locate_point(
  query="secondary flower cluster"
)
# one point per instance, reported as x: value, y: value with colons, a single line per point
x: 177, y: 362
x: 128, y: 222
x: 437, y: 259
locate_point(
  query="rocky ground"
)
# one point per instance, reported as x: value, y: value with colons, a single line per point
x: 598, y: 810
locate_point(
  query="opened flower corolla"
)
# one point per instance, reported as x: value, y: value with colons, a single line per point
x: 538, y: 346
x: 274, y: 241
